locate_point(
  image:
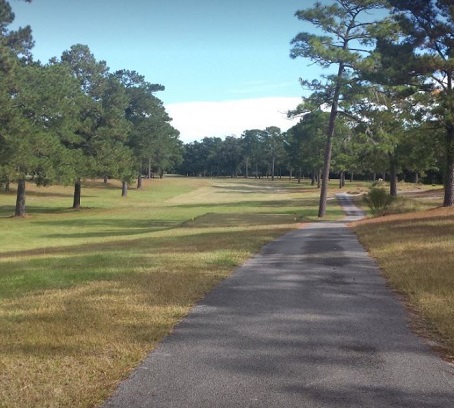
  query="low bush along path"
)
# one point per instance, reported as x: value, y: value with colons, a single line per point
x: 308, y: 322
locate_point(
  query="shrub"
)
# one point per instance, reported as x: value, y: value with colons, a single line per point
x: 378, y: 200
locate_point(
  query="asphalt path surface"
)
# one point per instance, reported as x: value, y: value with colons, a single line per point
x: 308, y: 322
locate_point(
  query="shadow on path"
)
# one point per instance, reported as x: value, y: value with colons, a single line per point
x: 308, y: 322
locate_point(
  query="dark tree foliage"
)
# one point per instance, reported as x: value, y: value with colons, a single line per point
x: 425, y: 56
x: 152, y: 139
x: 72, y: 118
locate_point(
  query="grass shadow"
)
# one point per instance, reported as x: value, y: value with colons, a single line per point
x: 303, y: 202
x: 270, y: 188
x: 107, y: 227
x: 67, y: 266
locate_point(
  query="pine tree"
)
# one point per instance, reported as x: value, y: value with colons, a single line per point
x: 348, y: 33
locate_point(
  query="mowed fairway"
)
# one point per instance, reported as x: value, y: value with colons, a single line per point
x: 85, y: 295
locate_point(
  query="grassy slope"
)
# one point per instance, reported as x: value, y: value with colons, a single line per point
x: 416, y: 254
x: 85, y: 295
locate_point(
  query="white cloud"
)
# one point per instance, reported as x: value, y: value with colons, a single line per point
x: 196, y: 120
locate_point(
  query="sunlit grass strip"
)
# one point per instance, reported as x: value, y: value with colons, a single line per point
x: 416, y: 253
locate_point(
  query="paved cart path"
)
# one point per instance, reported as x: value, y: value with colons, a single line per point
x: 308, y: 322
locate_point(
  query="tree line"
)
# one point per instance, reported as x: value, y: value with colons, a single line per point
x: 73, y: 118
x: 385, y: 105
x: 413, y: 155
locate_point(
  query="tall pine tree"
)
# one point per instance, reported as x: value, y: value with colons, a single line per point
x: 348, y: 32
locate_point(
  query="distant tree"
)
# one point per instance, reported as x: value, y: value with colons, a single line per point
x: 194, y: 159
x: 213, y: 149
x: 312, y: 131
x: 151, y: 134
x: 251, y: 150
x: 293, y: 144
x: 344, y: 152
x: 273, y: 147
x: 165, y: 148
x: 348, y: 34
x: 212, y: 156
x: 423, y: 145
x: 231, y: 156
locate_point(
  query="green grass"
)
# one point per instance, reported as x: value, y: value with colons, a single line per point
x: 86, y: 294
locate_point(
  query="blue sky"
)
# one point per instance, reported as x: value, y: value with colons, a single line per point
x: 225, y: 63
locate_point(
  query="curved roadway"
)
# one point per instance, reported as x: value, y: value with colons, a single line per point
x: 308, y: 322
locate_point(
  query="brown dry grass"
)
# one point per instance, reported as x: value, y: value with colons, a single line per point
x: 416, y: 254
x: 56, y: 343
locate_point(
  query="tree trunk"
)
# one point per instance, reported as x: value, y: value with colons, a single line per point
x: 313, y: 178
x: 247, y: 167
x: 124, y: 189
x: 328, y: 146
x: 139, y: 181
x: 149, y: 168
x: 393, y: 180
x: 105, y: 179
x: 448, y: 200
x: 351, y: 177
x: 77, y: 193
x: 7, y: 186
x: 20, y: 200
x: 161, y: 173
x: 416, y: 177
x: 319, y: 178
x: 299, y: 176
x: 272, y: 169
x: 341, y: 179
